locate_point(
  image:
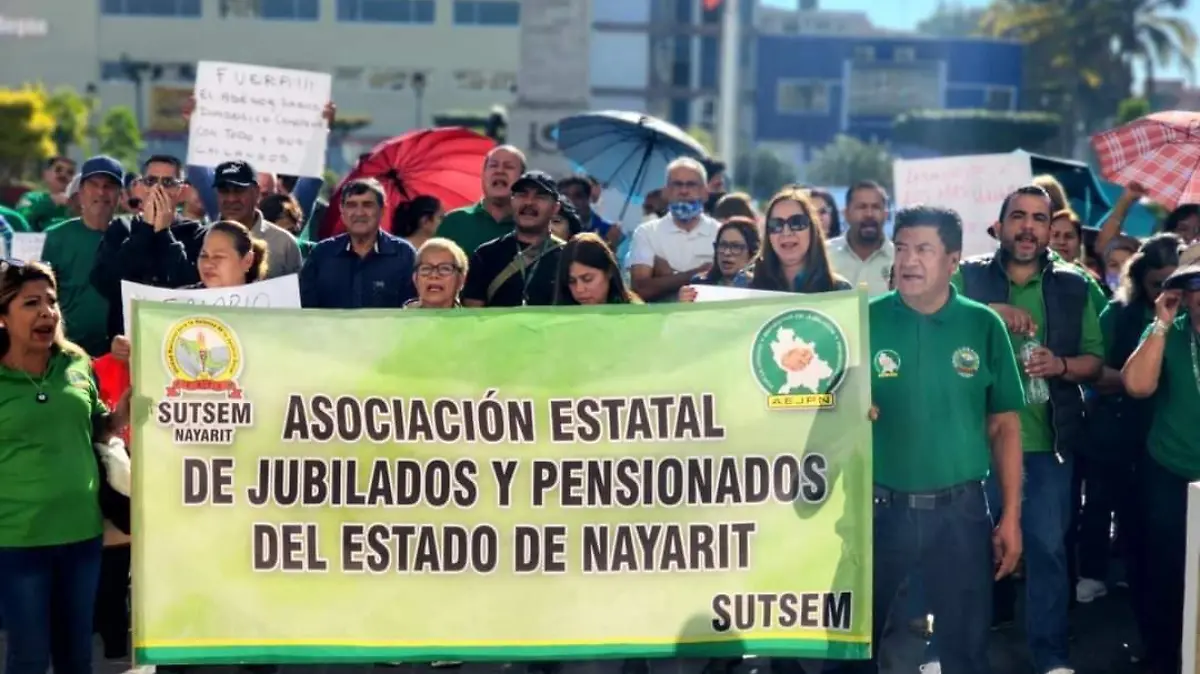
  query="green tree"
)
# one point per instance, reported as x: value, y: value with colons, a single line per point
x: 1131, y: 109
x: 119, y: 135
x: 952, y: 19
x: 702, y: 136
x: 959, y: 132
x: 26, y: 132
x: 72, y: 113
x: 847, y: 160
x: 761, y: 173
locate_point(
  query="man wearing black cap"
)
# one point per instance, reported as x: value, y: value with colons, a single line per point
x: 520, y: 267
x: 70, y: 249
x: 236, y: 183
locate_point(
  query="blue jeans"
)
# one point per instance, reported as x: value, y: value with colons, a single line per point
x: 1045, y: 517
x: 47, y: 597
x: 944, y: 539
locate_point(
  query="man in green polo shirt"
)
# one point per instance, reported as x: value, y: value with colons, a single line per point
x: 1047, y: 308
x: 491, y: 218
x: 47, y: 207
x: 935, y: 352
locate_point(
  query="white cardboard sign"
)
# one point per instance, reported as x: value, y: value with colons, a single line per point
x: 278, y: 293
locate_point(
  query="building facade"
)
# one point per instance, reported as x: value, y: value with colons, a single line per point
x: 810, y: 88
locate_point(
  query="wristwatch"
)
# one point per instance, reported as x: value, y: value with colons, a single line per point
x: 1159, y: 328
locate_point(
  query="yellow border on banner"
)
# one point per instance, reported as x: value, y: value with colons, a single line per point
x: 800, y: 634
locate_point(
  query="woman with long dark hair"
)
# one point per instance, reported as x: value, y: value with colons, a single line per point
x: 51, y: 522
x: 827, y: 213
x: 418, y: 220
x: 588, y: 274
x: 793, y: 257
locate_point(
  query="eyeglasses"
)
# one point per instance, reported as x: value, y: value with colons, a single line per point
x: 152, y: 181
x: 795, y: 223
x: 444, y: 269
x: 731, y: 247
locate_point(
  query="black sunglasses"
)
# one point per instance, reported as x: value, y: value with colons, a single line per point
x: 796, y: 223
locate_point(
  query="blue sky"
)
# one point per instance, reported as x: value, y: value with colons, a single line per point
x: 904, y: 14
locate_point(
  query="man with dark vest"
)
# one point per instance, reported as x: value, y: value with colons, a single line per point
x: 1046, y: 307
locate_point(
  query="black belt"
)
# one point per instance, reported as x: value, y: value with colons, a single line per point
x: 924, y: 500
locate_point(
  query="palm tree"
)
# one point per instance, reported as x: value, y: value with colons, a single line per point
x: 1149, y: 35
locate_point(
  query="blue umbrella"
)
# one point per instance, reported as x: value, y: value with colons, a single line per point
x: 626, y: 150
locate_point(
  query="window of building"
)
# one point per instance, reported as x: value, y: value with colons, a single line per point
x: 386, y: 11
x: 289, y: 10
x: 864, y: 52
x: 998, y: 98
x: 114, y: 71
x: 163, y: 8
x: 904, y: 54
x: 487, y: 12
x: 801, y: 97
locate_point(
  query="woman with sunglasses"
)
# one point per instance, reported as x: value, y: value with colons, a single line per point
x: 439, y: 273
x: 793, y: 256
x: 51, y: 522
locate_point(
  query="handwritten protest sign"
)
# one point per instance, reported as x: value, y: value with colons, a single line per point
x: 277, y: 293
x: 974, y: 185
x: 269, y: 117
x: 28, y: 246
x: 430, y: 499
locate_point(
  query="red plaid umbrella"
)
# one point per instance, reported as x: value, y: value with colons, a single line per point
x: 1161, y: 152
x: 446, y: 163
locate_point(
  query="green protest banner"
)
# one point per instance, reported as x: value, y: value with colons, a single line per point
x: 558, y: 483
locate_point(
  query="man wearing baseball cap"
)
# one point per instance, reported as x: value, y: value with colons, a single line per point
x: 236, y: 183
x: 70, y: 249
x: 1166, y: 367
x: 520, y: 267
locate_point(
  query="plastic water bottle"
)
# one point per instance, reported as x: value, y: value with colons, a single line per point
x: 1037, y: 391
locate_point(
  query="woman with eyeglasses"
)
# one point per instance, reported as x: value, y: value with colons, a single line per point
x: 51, y: 521
x: 827, y: 213
x: 439, y: 273
x: 734, y: 249
x: 588, y: 274
x: 793, y: 256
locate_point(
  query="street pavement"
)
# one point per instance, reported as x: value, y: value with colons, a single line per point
x: 1100, y: 631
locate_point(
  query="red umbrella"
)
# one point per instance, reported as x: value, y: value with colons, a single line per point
x: 446, y: 163
x: 1161, y: 152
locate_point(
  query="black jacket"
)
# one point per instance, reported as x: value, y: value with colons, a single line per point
x: 133, y: 251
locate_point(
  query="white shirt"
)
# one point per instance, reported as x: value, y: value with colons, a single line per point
x: 874, y: 271
x: 682, y: 249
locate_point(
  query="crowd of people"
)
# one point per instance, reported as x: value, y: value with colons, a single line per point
x: 1015, y: 393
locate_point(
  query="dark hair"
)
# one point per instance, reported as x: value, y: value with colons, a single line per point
x: 835, y: 219
x: 1028, y: 191
x: 275, y: 206
x: 362, y: 186
x: 406, y: 219
x: 1157, y: 252
x: 734, y: 204
x: 749, y: 231
x: 590, y: 250
x: 576, y: 181
x: 566, y: 211
x: 1177, y: 216
x: 164, y: 159
x: 287, y: 182
x: 1071, y: 216
x: 866, y: 185
x: 245, y: 244
x: 13, y: 276
x: 653, y: 195
x: 818, y: 273
x: 57, y: 158
x: 945, y: 220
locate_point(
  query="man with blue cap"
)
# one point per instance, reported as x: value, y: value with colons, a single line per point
x: 70, y: 250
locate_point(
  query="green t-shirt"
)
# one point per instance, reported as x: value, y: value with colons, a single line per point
x: 1174, y: 439
x: 1037, y: 433
x: 14, y: 219
x: 49, y: 481
x: 472, y: 226
x: 958, y: 361
x: 70, y: 250
x: 1108, y: 324
x: 40, y: 211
